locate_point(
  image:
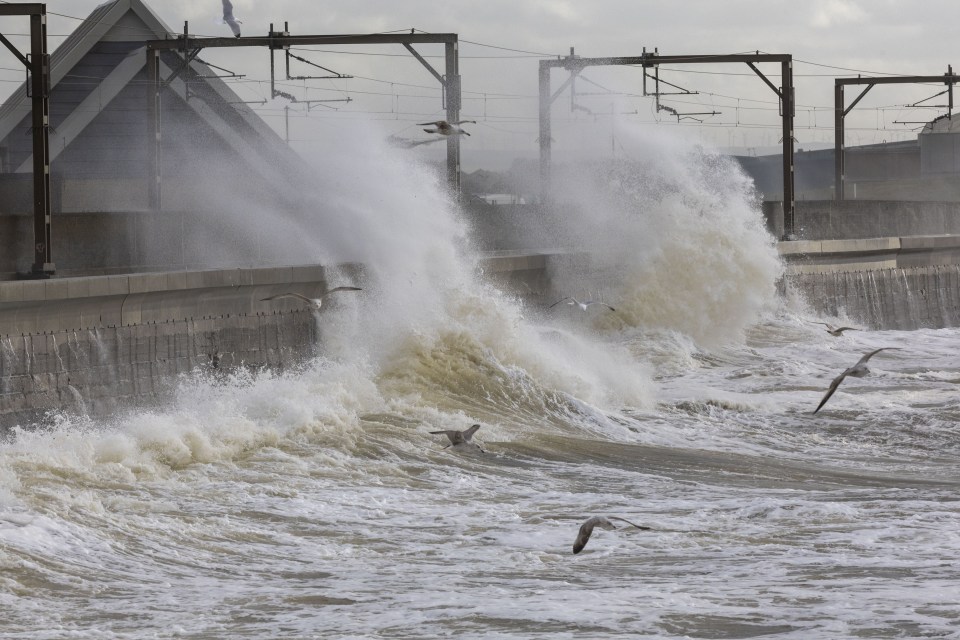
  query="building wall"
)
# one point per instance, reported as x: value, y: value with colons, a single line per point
x: 815, y: 171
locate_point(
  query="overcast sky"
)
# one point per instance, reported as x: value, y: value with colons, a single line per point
x: 501, y: 43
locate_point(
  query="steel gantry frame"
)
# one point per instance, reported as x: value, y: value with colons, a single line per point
x: 37, y: 63
x: 190, y: 47
x: 576, y: 64
x: 840, y: 112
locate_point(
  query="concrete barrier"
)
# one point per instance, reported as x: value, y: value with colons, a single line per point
x: 91, y: 344
x: 821, y: 256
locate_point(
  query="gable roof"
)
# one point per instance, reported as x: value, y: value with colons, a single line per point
x: 64, y: 58
x: 132, y: 22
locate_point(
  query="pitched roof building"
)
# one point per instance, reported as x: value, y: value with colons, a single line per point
x: 98, y: 119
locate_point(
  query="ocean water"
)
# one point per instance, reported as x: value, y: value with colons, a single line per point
x: 314, y: 503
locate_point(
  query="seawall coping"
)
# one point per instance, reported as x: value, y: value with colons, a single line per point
x: 799, y: 247
x: 943, y: 241
x: 71, y: 288
x: 860, y: 245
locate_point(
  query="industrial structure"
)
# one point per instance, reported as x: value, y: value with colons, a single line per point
x: 785, y: 92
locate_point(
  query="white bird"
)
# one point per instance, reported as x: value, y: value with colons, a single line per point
x: 836, y: 331
x: 858, y: 370
x: 586, y: 529
x: 229, y: 19
x: 314, y: 302
x: 444, y: 128
x: 459, y: 437
x: 583, y: 305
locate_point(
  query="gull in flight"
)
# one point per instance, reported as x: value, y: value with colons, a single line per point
x: 836, y: 332
x: 459, y: 437
x: 444, y: 128
x: 583, y: 305
x: 314, y: 302
x: 229, y: 19
x: 857, y: 371
x: 586, y: 529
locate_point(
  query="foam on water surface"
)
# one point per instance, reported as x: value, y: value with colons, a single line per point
x: 314, y: 502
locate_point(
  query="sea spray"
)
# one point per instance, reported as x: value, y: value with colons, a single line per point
x: 424, y: 304
x: 675, y: 236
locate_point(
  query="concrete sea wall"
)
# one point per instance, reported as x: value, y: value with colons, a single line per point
x: 885, y: 283
x: 894, y: 298
x: 92, y: 344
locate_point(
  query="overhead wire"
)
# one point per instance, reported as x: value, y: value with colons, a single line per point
x: 501, y: 96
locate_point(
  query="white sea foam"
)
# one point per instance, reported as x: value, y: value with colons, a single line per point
x: 313, y: 502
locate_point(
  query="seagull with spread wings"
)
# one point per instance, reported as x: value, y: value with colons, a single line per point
x: 586, y: 529
x: 459, y: 437
x: 229, y: 19
x: 858, y: 370
x: 444, y: 128
x: 836, y: 332
x: 316, y: 303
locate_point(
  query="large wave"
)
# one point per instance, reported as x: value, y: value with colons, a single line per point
x: 675, y: 236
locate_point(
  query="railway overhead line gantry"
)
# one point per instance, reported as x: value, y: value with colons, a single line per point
x: 576, y: 64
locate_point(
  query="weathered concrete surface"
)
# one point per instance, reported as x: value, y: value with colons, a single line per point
x: 96, y: 370
x: 91, y: 344
x: 898, y: 298
x: 883, y: 283
x: 820, y: 256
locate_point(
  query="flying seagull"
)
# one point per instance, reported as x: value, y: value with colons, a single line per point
x: 586, y: 529
x: 836, y: 331
x: 459, y: 437
x: 314, y: 302
x: 229, y: 19
x: 583, y: 305
x: 857, y: 371
x: 444, y: 128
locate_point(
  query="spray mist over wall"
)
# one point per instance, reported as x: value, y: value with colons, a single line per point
x: 674, y: 233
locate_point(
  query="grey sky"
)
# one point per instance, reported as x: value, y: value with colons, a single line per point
x: 392, y: 89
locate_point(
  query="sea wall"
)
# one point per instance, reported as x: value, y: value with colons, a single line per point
x: 91, y: 344
x: 884, y: 283
x: 894, y: 298
x: 93, y: 371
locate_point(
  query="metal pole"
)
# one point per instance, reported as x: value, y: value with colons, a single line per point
x: 789, y: 203
x: 949, y: 92
x: 40, y: 89
x: 545, y: 151
x: 153, y: 130
x: 838, y: 141
x: 453, y: 115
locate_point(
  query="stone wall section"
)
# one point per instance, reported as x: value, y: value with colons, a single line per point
x: 95, y: 371
x: 897, y: 298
